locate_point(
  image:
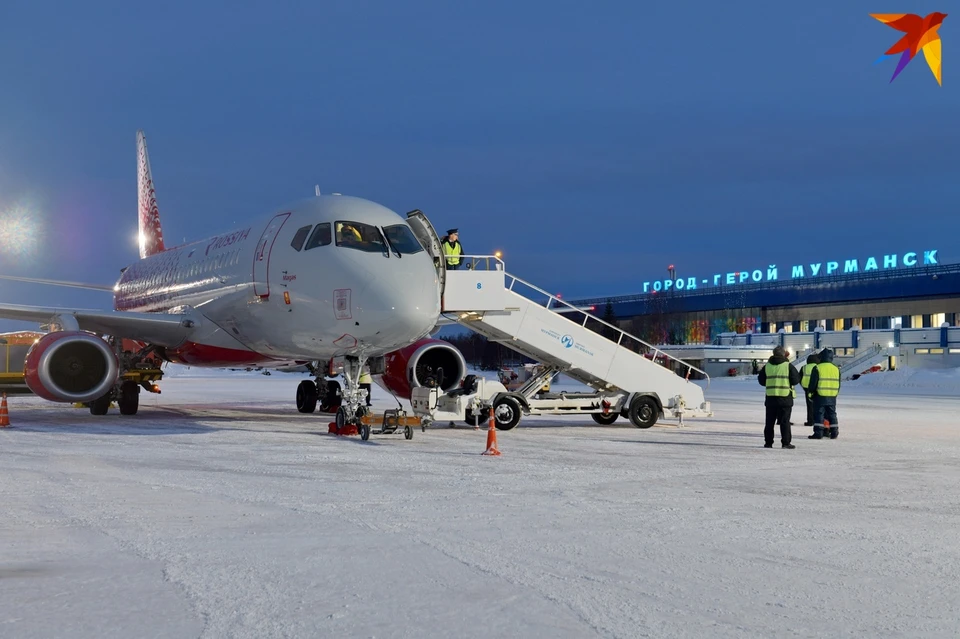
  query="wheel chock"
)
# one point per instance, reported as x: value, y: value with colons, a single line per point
x: 348, y: 429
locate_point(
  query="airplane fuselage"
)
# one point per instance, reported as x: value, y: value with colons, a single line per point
x: 298, y: 284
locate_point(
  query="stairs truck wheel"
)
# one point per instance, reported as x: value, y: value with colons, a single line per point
x: 129, y: 400
x: 506, y: 413
x: 365, y: 431
x: 307, y: 396
x: 604, y: 420
x: 474, y: 420
x: 644, y: 411
x: 407, y: 432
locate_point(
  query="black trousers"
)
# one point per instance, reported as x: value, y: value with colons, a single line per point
x: 825, y: 409
x: 811, y: 409
x: 452, y: 267
x: 366, y: 387
x: 779, y: 414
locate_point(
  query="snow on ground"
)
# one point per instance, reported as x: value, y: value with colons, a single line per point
x: 221, y: 511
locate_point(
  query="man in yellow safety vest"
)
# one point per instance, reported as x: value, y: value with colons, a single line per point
x: 779, y: 377
x: 366, y: 382
x: 812, y: 360
x: 825, y: 386
x: 452, y: 248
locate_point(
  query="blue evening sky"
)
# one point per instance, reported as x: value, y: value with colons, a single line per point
x: 592, y: 142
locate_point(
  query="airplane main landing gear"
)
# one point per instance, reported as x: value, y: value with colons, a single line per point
x: 319, y: 391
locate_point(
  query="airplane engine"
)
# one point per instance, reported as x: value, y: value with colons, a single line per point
x: 413, y: 365
x: 70, y: 366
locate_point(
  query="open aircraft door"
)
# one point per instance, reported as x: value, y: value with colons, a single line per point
x: 427, y: 235
x: 261, y: 256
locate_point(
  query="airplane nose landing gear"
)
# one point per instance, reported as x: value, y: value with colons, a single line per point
x: 347, y: 400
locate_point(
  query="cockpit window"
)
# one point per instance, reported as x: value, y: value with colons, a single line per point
x: 300, y: 236
x: 402, y: 239
x: 320, y: 236
x: 357, y: 235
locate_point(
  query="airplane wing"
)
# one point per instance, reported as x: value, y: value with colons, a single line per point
x: 37, y: 280
x: 160, y: 329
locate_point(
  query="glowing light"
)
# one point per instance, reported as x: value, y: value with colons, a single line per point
x: 21, y: 229
x: 498, y: 254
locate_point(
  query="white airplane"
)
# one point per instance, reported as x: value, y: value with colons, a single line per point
x: 330, y: 282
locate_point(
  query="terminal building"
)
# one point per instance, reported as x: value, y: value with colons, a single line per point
x: 891, y: 299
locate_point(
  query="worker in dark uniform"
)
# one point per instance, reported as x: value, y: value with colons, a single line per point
x: 452, y: 248
x: 779, y: 377
x: 825, y: 386
x: 812, y: 360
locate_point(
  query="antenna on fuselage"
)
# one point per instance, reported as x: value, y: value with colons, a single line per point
x: 317, y: 188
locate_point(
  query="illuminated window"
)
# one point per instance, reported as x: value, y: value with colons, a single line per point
x: 300, y: 236
x: 922, y: 351
x: 320, y: 237
x: 359, y: 236
x: 936, y: 351
x: 838, y: 324
x: 936, y: 319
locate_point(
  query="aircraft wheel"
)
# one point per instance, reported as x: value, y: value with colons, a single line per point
x: 506, y: 413
x: 365, y: 432
x: 407, y: 432
x: 604, y: 420
x: 307, y: 396
x: 644, y: 411
x: 332, y: 399
x: 129, y: 400
x: 341, y: 419
x: 100, y: 406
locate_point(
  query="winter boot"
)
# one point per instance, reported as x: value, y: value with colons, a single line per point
x: 817, y: 433
x: 834, y: 432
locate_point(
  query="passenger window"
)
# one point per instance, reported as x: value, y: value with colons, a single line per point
x: 300, y: 236
x: 320, y: 237
x: 363, y: 237
x: 402, y: 239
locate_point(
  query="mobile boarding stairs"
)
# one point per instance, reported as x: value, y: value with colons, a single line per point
x: 629, y: 377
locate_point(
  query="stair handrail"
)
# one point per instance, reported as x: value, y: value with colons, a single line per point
x: 551, y: 298
x: 872, y: 352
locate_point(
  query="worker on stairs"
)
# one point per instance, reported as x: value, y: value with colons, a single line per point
x: 825, y: 386
x: 452, y: 248
x: 812, y: 360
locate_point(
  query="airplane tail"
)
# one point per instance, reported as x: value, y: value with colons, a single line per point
x: 151, y: 236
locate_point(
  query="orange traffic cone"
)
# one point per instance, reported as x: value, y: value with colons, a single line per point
x: 4, y: 416
x: 491, y: 438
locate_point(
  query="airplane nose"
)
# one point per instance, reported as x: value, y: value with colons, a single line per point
x: 407, y: 304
